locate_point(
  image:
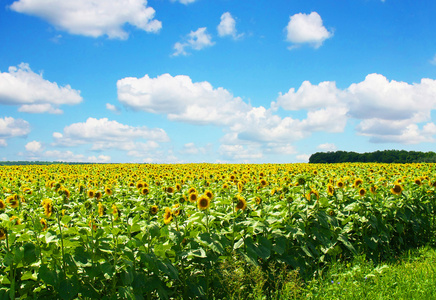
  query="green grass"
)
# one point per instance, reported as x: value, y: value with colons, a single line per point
x: 411, y: 276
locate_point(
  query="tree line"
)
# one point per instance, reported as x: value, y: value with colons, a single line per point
x: 385, y: 156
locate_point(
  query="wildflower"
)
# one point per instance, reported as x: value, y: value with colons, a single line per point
x: 108, y: 191
x: 397, y: 189
x: 145, y: 191
x: 91, y: 193
x: 418, y: 181
x: 101, y: 209
x: 192, y: 190
x: 168, y: 215
x: 209, y: 194
x: 330, y: 189
x: 169, y: 189
x: 98, y: 195
x: 44, y: 224
x: 203, y: 202
x: 193, y: 197
x: 15, y: 220
x: 242, y: 203
x: 340, y: 184
x: 358, y: 182
x: 13, y: 201
x: 362, y: 192
x: 115, y: 211
x: 48, y: 207
x: 154, y: 209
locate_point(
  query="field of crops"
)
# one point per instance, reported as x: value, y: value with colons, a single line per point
x: 131, y: 231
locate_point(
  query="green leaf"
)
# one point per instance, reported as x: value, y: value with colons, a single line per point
x: 344, y: 239
x: 127, y: 276
x: 48, y: 276
x: 66, y: 219
x: 69, y: 288
x: 280, y: 245
x: 29, y: 253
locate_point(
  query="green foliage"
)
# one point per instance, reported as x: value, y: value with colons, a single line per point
x: 386, y: 156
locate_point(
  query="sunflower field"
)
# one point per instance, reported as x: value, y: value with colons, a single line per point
x: 191, y: 231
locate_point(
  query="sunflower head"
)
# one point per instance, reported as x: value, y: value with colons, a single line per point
x: 192, y: 190
x: 2, y: 204
x: 362, y: 192
x: 209, y: 194
x: 340, y: 184
x: 2, y: 234
x: 203, y: 202
x: 154, y: 209
x: 176, y: 209
x: 98, y: 195
x: 168, y: 215
x: 145, y: 191
x: 193, y: 197
x: 241, y: 203
x: 418, y: 181
x: 330, y: 189
x: 108, y: 191
x: 44, y: 224
x: 396, y: 189
x: 91, y: 193
x: 101, y: 209
x: 169, y: 189
x: 358, y: 182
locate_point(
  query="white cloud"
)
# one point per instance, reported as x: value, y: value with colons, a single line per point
x: 21, y: 86
x: 307, y: 29
x: 389, y: 111
x: 99, y: 159
x: 92, y: 18
x: 303, y: 157
x: 10, y: 128
x: 33, y: 146
x: 103, y: 134
x: 433, y: 60
x: 181, y: 99
x: 113, y: 108
x: 66, y: 156
x: 195, y: 40
x: 186, y: 2
x: 3, y: 143
x: 227, y: 26
x: 327, y: 147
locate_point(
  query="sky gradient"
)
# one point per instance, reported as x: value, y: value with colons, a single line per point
x: 220, y: 81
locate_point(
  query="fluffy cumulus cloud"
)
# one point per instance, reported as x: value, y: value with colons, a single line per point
x: 34, y: 94
x: 306, y: 29
x: 195, y: 40
x: 104, y: 134
x: 181, y: 99
x: 227, y: 26
x: 92, y: 18
x: 10, y: 128
x: 387, y: 111
x: 33, y: 146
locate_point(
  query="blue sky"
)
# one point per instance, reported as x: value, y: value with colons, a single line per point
x: 230, y: 81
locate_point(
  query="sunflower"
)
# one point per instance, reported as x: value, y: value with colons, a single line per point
x: 373, y: 189
x: 145, y: 191
x: 169, y: 189
x: 98, y: 195
x: 263, y: 183
x: 193, y: 197
x: 330, y: 189
x: 108, y: 191
x: 154, y: 209
x: 15, y: 220
x: 168, y: 215
x: 2, y: 234
x: 176, y: 209
x: 91, y: 193
x: 242, y: 203
x: 397, y: 189
x: 192, y: 190
x: 2, y: 204
x: 13, y: 201
x: 203, y: 202
x: 115, y: 211
x: 209, y: 194
x: 48, y: 207
x: 362, y: 192
x: 258, y: 200
x: 101, y: 209
x: 340, y: 184
x: 139, y: 185
x: 358, y: 182
x: 178, y: 187
x: 27, y: 191
x: 418, y: 181
x: 44, y: 224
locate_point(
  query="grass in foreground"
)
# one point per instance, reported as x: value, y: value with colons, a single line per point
x: 412, y: 276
